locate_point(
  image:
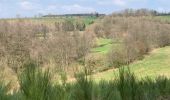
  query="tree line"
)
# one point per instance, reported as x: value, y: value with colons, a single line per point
x: 61, y: 43
x: 139, y: 35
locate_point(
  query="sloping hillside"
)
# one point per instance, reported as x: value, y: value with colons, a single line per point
x: 155, y: 64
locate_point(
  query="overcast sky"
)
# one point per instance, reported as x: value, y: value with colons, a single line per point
x: 10, y: 8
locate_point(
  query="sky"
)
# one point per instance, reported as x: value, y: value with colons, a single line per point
x: 30, y: 8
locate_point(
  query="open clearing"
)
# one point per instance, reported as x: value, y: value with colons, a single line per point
x: 103, y: 45
x: 86, y: 20
x: 164, y: 18
x: 153, y: 65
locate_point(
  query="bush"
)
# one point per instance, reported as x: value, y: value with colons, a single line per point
x: 80, y: 26
x: 108, y: 91
x: 3, y: 91
x: 83, y: 88
x: 116, y: 58
x: 126, y: 84
x: 35, y: 84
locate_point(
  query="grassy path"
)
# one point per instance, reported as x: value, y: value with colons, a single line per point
x: 155, y: 64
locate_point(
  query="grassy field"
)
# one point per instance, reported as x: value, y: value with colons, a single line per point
x: 86, y: 20
x: 164, y: 18
x: 101, y: 50
x: 105, y: 45
x: 155, y: 64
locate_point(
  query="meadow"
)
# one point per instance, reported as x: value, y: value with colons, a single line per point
x: 51, y: 20
x: 155, y: 64
x: 164, y: 18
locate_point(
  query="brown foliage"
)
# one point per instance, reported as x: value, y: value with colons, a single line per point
x: 140, y: 34
x: 22, y: 41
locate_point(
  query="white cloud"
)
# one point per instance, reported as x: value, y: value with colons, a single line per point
x: 76, y: 8
x: 102, y: 2
x: 48, y: 9
x: 161, y: 9
x: 112, y: 2
x: 26, y: 5
x: 119, y: 2
x: 60, y: 9
x: 53, y: 8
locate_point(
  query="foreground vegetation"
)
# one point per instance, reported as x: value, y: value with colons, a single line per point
x: 36, y: 84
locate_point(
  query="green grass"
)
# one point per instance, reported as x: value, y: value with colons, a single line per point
x: 102, y: 49
x: 155, y: 64
x: 89, y: 20
x: 36, y: 84
x: 105, y: 45
x: 103, y: 41
x: 86, y: 20
x: 164, y: 18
